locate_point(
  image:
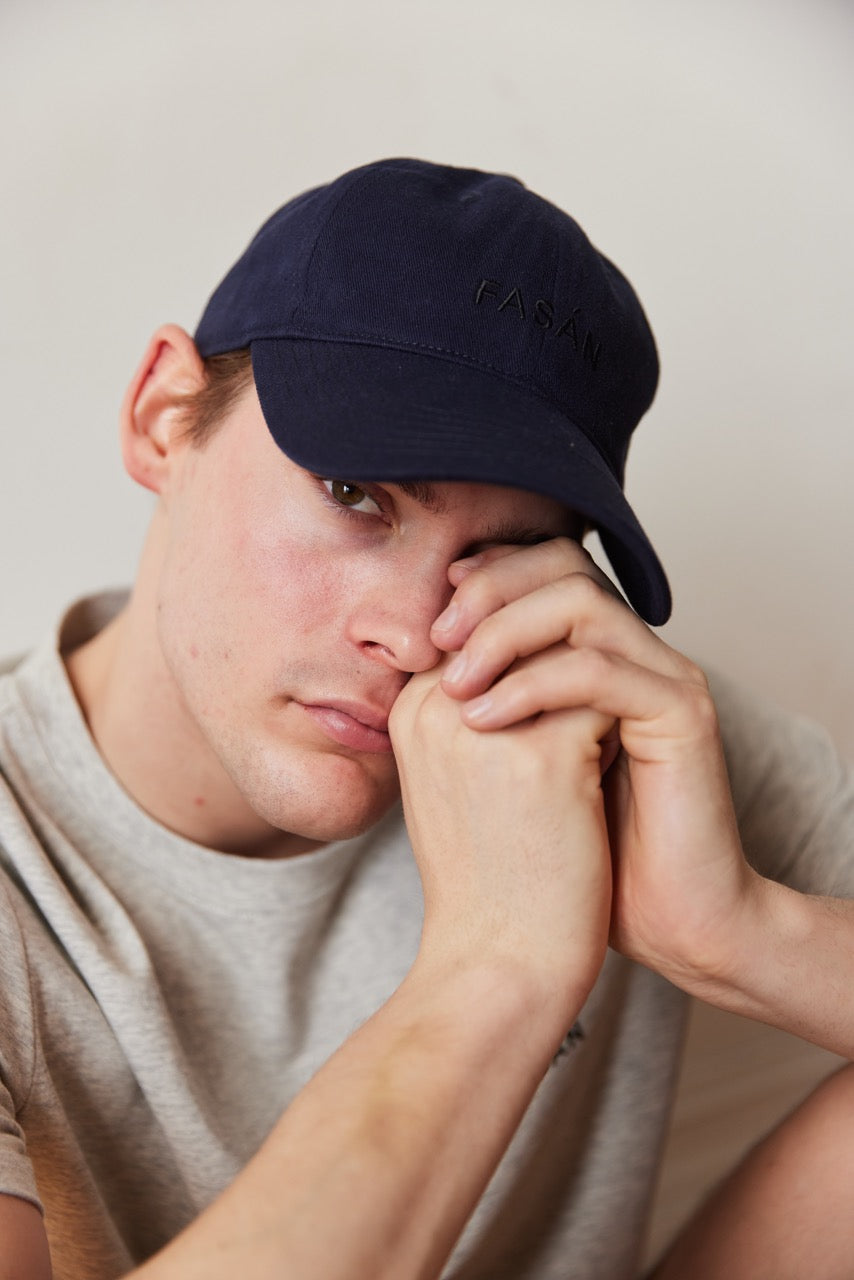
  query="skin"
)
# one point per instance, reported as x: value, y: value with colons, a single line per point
x: 512, y: 678
x: 785, y: 1212
x: 261, y: 592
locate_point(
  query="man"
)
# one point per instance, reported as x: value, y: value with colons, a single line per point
x: 242, y: 1029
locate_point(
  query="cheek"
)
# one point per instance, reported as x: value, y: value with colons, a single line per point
x: 253, y: 579
x: 291, y: 590
x: 301, y: 575
x: 260, y: 603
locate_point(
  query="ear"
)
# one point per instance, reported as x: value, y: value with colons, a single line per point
x: 151, y: 415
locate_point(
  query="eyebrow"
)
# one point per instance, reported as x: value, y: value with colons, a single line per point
x: 505, y: 531
x: 522, y: 535
x: 425, y: 494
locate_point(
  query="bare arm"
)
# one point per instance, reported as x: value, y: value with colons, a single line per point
x: 397, y: 1136
x: 376, y: 1166
x: 24, y: 1253
x: 787, y: 959
x: 786, y: 1212
x: 686, y: 902
x: 540, y: 630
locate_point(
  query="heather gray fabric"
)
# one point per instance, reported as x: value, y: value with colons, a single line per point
x: 161, y: 1003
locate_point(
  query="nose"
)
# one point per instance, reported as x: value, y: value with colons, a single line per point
x: 393, y: 620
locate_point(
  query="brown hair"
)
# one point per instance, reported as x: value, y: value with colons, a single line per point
x: 226, y: 377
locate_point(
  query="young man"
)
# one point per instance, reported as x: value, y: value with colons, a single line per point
x: 242, y: 1028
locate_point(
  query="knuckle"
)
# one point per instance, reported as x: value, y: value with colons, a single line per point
x: 580, y: 598
x: 567, y: 553
x: 586, y: 593
x: 479, y: 591
x: 409, y: 704
x: 489, y: 640
x: 691, y: 673
x: 592, y: 666
x: 520, y: 683
x: 701, y: 708
x: 433, y: 705
x: 580, y: 563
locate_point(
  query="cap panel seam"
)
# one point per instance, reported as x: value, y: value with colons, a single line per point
x: 388, y: 344
x: 355, y: 178
x: 383, y: 262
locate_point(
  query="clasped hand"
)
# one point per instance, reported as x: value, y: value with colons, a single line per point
x: 563, y: 779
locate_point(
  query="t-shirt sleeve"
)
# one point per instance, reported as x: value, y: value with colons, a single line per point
x: 17, y: 1053
x: 793, y: 793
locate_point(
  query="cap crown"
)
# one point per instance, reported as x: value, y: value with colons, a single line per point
x: 417, y: 321
x: 462, y: 265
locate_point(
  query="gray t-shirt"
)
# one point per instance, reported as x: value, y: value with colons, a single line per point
x: 161, y: 1003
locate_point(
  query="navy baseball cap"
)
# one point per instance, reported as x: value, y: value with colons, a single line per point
x: 415, y: 321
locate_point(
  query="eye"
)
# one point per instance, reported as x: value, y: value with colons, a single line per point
x: 352, y: 496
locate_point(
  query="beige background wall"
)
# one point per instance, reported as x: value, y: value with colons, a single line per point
x: 705, y: 144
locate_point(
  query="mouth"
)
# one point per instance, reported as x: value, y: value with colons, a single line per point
x: 351, y: 724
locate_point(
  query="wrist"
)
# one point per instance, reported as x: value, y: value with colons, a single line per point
x: 519, y: 1006
x: 779, y: 961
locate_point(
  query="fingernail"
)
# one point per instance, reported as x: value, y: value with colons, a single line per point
x: 470, y: 562
x: 479, y: 708
x: 456, y: 668
x: 447, y: 620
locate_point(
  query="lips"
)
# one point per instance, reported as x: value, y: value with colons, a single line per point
x: 351, y: 724
x: 365, y: 714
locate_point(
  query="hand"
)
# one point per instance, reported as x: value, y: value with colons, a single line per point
x: 540, y: 630
x: 508, y: 829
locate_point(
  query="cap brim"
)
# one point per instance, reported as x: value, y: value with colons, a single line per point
x: 364, y: 412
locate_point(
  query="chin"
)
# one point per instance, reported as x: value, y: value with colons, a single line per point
x: 336, y: 803
x: 329, y: 827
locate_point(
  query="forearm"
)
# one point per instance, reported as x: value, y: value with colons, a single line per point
x: 377, y: 1164
x: 786, y: 958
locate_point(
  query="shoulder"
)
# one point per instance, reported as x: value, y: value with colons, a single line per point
x: 17, y: 1032
x: 18, y: 1068
x: 758, y: 734
x: 793, y: 791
